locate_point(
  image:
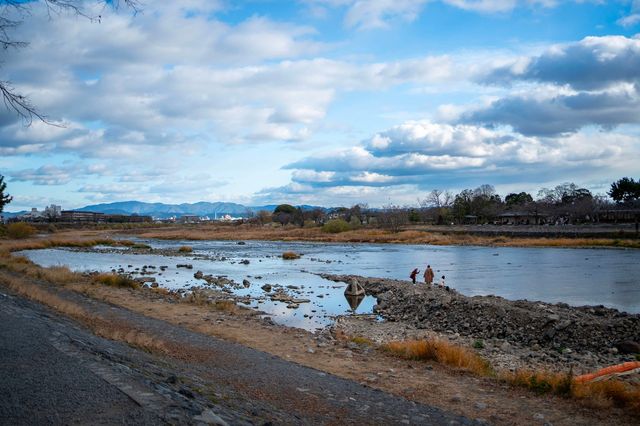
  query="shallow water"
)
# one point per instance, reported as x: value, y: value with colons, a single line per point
x: 574, y: 276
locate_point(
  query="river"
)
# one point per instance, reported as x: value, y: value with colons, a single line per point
x: 609, y: 277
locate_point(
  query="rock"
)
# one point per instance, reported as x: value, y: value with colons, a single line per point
x: 628, y: 347
x: 198, y: 275
x: 185, y: 265
x: 456, y: 398
x: 154, y: 285
x: 480, y: 406
x: 244, y: 261
x: 241, y: 243
x: 538, y: 416
x: 246, y: 283
x: 210, y: 418
x: 266, y: 287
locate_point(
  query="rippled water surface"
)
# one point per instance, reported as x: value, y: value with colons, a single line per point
x: 574, y: 276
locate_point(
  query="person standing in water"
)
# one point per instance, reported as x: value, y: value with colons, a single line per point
x: 428, y: 275
x: 414, y: 274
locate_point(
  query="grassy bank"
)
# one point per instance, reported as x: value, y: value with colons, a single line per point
x: 366, y: 235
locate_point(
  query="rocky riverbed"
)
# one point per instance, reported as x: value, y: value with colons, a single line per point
x: 512, y: 334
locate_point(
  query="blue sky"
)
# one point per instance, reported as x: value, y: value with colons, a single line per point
x: 329, y: 102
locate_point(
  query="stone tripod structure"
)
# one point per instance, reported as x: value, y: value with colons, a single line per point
x: 354, y: 288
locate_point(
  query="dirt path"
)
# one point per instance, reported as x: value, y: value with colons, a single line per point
x: 202, y: 377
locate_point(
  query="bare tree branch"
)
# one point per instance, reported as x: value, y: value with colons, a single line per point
x: 14, y: 101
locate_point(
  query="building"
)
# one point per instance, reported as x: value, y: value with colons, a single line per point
x: 73, y: 216
x: 53, y: 211
x: 189, y: 219
x: 521, y: 218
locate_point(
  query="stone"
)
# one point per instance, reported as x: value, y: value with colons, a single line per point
x: 266, y: 287
x: 628, y: 347
x: 538, y: 416
x: 210, y: 418
x: 480, y: 406
x: 246, y: 283
x: 456, y: 398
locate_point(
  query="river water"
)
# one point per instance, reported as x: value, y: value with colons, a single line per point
x: 608, y: 277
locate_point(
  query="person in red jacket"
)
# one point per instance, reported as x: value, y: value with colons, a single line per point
x: 414, y: 274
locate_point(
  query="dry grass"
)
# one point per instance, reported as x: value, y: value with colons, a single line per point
x: 373, y: 235
x: 35, y: 292
x: 115, y: 280
x: 440, y: 351
x: 202, y: 297
x: 365, y: 341
x: 604, y: 394
x: 541, y: 382
x: 290, y: 255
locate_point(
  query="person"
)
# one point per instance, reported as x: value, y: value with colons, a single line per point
x: 442, y: 281
x: 414, y: 274
x: 428, y: 275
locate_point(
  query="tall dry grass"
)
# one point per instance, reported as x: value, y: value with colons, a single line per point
x: 603, y: 394
x: 374, y: 235
x: 440, y: 351
x: 116, y: 280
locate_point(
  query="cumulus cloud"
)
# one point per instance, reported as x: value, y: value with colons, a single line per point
x: 561, y: 113
x: 50, y: 174
x: 592, y: 82
x: 142, y: 84
x: 423, y: 154
x: 591, y: 63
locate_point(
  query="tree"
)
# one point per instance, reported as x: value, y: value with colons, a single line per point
x: 625, y: 190
x: 520, y: 199
x: 393, y: 217
x: 12, y: 14
x: 4, y: 199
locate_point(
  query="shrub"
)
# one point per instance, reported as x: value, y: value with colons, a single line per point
x: 185, y: 249
x: 115, y: 280
x: 335, y: 226
x: 20, y: 230
x: 290, y: 255
x: 478, y: 344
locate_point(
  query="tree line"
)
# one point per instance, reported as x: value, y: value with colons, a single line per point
x: 562, y: 204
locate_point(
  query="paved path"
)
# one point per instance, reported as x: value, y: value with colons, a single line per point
x: 54, y: 372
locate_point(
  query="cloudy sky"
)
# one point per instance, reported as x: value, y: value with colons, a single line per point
x: 325, y: 102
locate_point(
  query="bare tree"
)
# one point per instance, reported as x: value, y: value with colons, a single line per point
x: 12, y: 14
x: 437, y: 198
x: 435, y: 206
x: 393, y: 217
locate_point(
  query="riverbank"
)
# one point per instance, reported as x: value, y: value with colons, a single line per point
x: 497, y: 236
x: 512, y: 334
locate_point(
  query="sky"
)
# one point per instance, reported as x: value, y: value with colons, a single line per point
x: 322, y: 102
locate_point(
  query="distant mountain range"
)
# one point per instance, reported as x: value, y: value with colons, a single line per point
x: 161, y: 210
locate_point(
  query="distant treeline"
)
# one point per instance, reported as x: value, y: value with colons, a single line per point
x: 564, y: 204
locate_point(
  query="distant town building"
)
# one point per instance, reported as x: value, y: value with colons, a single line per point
x: 189, y: 219
x: 53, y: 211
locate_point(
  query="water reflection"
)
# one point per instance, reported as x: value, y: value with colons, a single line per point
x: 354, y: 301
